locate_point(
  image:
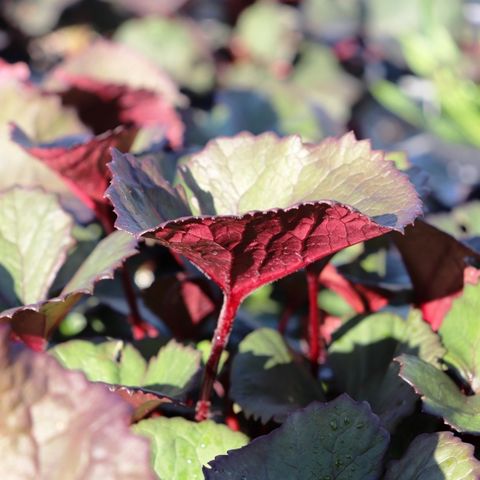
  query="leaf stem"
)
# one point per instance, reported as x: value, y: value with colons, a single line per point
x: 219, y: 342
x: 313, y: 320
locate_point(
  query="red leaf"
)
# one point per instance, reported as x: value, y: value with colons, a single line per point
x: 360, y: 297
x: 181, y: 301
x: 142, y: 400
x: 81, y: 163
x: 436, y: 263
x: 104, y: 106
x: 434, y: 311
x: 242, y: 253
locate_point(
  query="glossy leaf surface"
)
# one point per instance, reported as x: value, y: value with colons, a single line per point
x: 180, y: 447
x: 341, y: 439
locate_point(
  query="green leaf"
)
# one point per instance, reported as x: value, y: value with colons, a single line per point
x: 434, y: 456
x: 35, y: 322
x: 108, y: 255
x: 44, y: 119
x: 35, y: 234
x: 268, y: 32
x: 266, y: 381
x: 170, y: 372
x: 461, y: 222
x: 57, y: 425
x: 177, y: 46
x: 361, y: 357
x: 180, y: 447
x: 440, y: 395
x: 339, y: 439
x: 461, y: 336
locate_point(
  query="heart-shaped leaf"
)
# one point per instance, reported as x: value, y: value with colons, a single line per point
x: 371, y: 344
x: 54, y: 423
x: 35, y: 235
x: 436, y: 455
x: 35, y: 322
x: 440, y: 395
x: 169, y: 373
x: 339, y: 439
x: 266, y: 381
x: 268, y: 206
x: 180, y: 448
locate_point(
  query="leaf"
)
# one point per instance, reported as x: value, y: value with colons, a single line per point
x: 440, y: 395
x: 267, y: 381
x: 268, y: 32
x: 35, y: 235
x: 181, y: 301
x: 461, y: 336
x: 43, y: 118
x: 169, y: 373
x: 34, y: 18
x: 288, y: 205
x: 55, y: 424
x: 180, y: 448
x: 370, y: 344
x: 436, y: 455
x: 149, y: 7
x: 34, y: 323
x: 176, y: 45
x: 104, y: 106
x: 143, y: 400
x: 360, y: 297
x: 82, y: 162
x: 431, y: 253
x: 339, y: 439
x: 107, y: 63
x: 461, y: 222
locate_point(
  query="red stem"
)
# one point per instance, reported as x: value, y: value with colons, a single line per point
x: 219, y: 342
x: 313, y: 320
x: 285, y: 317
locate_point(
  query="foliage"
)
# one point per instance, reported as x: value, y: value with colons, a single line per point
x: 207, y: 271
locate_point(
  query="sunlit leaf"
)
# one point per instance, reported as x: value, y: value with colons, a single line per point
x: 180, y: 448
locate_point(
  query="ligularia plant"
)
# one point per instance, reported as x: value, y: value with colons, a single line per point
x: 254, y: 209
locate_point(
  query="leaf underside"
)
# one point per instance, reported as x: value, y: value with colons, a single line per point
x: 286, y: 206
